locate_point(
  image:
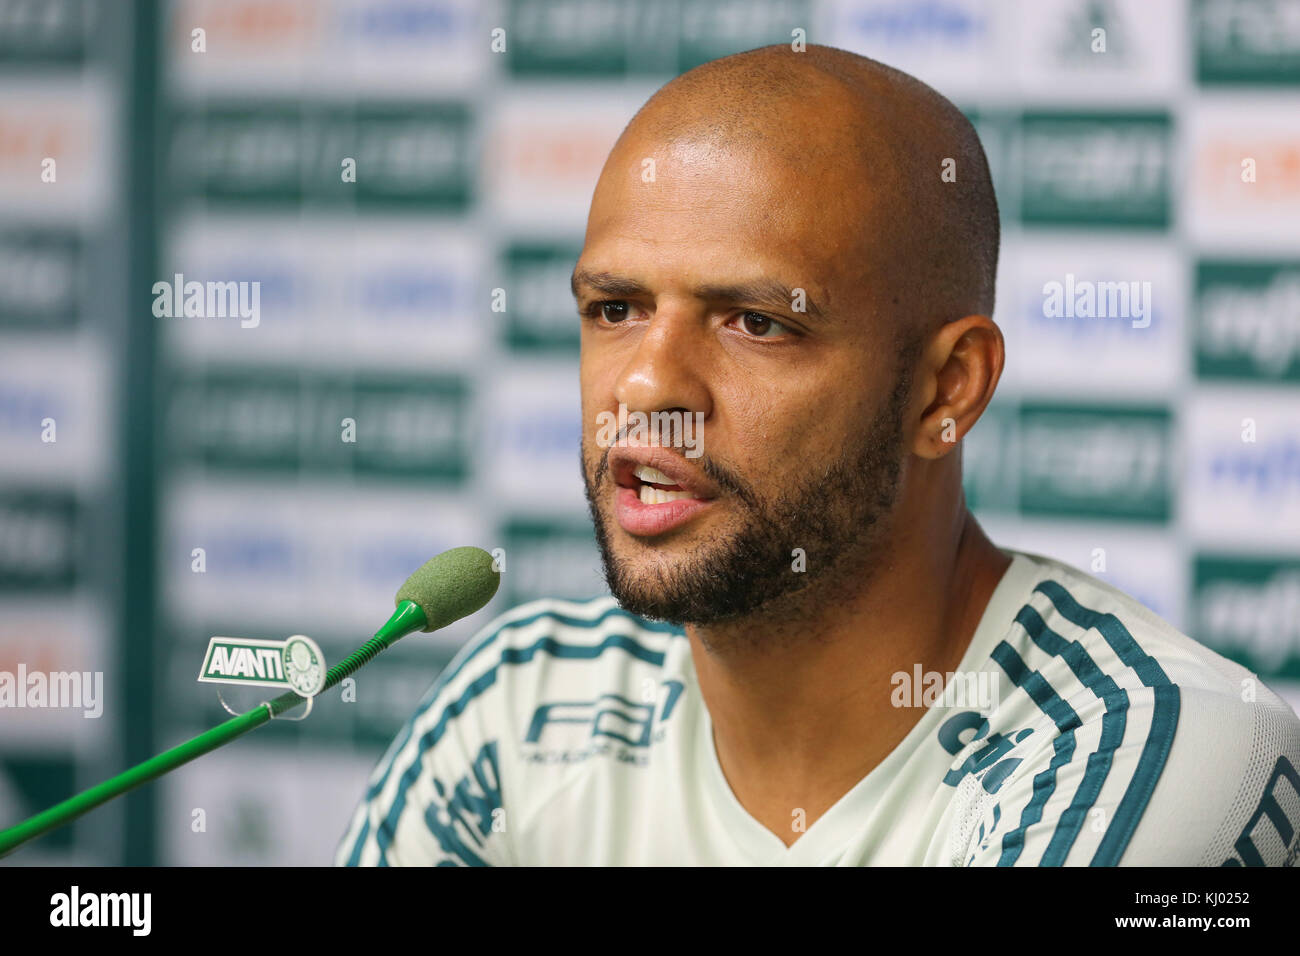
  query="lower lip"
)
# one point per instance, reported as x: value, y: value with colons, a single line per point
x: 637, y: 517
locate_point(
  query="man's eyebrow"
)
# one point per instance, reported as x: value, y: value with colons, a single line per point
x: 766, y: 292
x: 605, y: 283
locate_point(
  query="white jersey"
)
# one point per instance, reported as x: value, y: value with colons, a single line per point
x: 575, y: 733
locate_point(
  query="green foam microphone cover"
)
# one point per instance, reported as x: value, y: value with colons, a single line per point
x: 451, y: 585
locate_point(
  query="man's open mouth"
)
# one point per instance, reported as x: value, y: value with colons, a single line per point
x: 657, y: 488
x: 657, y: 491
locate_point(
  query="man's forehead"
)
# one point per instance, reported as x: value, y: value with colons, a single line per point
x: 757, y: 201
x: 716, y: 170
x: 786, y: 232
x: 635, y: 192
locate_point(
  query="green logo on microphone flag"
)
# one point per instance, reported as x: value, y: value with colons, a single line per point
x: 304, y: 665
x: 295, y: 664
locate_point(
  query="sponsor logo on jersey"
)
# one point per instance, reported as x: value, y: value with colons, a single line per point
x: 468, y: 812
x: 961, y: 731
x: 610, y: 725
x: 1273, y: 831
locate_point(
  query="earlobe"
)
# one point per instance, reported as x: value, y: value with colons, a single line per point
x: 938, y: 437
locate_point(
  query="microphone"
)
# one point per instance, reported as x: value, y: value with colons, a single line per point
x: 444, y: 589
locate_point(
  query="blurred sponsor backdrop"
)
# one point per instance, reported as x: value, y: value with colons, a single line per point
x: 164, y: 479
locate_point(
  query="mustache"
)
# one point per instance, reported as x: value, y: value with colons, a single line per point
x: 723, y: 477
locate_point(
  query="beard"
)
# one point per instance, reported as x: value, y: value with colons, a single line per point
x: 834, y: 515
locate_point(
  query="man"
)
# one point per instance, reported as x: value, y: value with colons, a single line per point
x: 774, y: 251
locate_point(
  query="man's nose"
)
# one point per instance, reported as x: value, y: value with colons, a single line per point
x: 666, y: 370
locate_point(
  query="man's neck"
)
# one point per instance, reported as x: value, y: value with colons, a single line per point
x: 802, y: 711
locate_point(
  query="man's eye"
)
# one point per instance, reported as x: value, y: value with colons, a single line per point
x: 760, y: 326
x: 612, y: 311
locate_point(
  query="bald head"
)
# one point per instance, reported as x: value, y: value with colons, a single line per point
x: 866, y: 147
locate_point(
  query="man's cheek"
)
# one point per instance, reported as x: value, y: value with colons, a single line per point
x: 800, y: 439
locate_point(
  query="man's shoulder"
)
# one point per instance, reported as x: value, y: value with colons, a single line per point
x: 1149, y: 746
x: 1108, y: 643
x: 560, y: 644
x: 434, y: 795
x: 1090, y: 623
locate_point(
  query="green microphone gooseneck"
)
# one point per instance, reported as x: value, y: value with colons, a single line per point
x: 446, y: 588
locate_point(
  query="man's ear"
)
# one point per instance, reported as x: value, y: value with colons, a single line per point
x: 958, y: 373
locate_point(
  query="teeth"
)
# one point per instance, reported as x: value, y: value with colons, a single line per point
x: 657, y: 496
x: 646, y: 473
